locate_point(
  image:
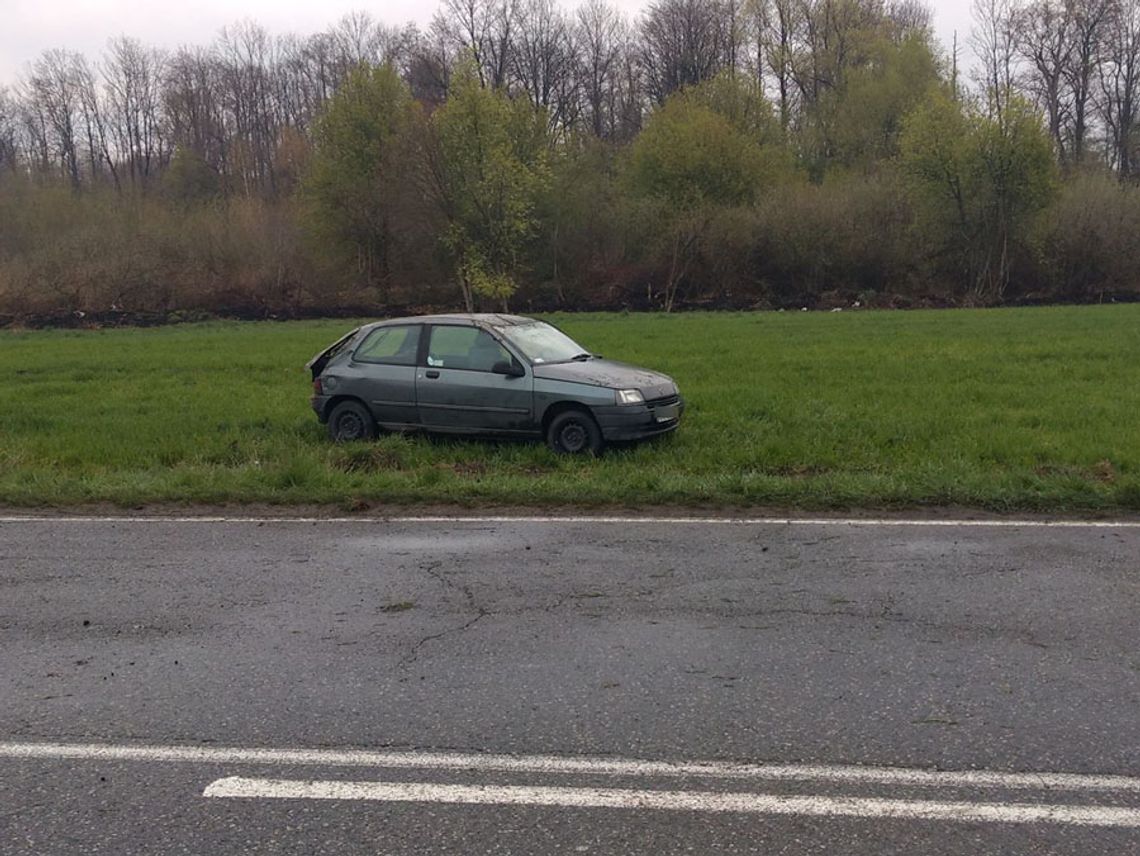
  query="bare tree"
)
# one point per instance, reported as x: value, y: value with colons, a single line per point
x: 53, y: 92
x: 684, y: 42
x: 483, y: 29
x: 192, y: 102
x: 994, y: 40
x: 133, y: 76
x: 358, y: 39
x: 1120, y: 89
x: 98, y: 139
x: 780, y: 22
x: 430, y: 58
x: 600, y: 34
x: 503, y: 17
x: 1090, y: 22
x: 9, y: 132
x: 32, y: 122
x: 292, y: 96
x: 244, y: 55
x: 544, y: 60
x: 320, y: 68
x: 629, y: 97
x: 910, y: 16
x: 1044, y: 40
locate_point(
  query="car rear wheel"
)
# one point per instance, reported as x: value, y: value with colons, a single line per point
x: 350, y: 420
x: 574, y: 432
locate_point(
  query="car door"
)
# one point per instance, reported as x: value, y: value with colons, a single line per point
x: 382, y: 372
x: 457, y: 390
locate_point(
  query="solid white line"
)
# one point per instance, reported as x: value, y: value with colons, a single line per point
x: 600, y: 520
x: 698, y: 801
x: 555, y: 765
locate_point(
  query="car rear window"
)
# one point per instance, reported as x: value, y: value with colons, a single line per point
x: 396, y: 346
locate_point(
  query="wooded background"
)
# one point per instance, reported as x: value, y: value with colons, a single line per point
x: 767, y: 153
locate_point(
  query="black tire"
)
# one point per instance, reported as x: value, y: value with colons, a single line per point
x: 350, y: 420
x: 574, y: 432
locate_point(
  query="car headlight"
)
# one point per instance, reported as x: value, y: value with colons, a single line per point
x: 630, y: 396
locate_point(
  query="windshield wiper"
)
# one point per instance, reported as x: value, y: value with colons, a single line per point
x: 581, y: 358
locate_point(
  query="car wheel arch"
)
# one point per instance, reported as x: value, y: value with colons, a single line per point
x: 332, y: 403
x: 557, y: 407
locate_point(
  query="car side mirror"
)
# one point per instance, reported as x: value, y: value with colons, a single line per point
x: 511, y: 369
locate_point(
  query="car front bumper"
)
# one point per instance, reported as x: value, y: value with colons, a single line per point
x: 637, y: 421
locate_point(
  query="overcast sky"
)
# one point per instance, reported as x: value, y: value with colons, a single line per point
x: 28, y: 27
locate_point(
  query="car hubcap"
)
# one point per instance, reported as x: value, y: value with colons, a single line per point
x: 350, y: 427
x: 573, y: 437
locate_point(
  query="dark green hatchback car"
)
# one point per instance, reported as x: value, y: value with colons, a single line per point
x: 486, y: 375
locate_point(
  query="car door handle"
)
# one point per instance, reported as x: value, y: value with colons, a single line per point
x: 433, y: 375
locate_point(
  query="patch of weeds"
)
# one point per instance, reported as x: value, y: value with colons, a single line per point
x: 230, y: 455
x: 472, y: 469
x: 366, y: 458
x: 170, y: 457
x: 295, y: 474
x: 1128, y: 495
x: 1104, y: 472
x: 430, y: 477
x: 257, y: 426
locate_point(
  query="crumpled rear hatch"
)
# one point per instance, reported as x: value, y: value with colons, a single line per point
x: 317, y: 364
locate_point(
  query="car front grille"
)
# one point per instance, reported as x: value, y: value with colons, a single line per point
x: 668, y: 400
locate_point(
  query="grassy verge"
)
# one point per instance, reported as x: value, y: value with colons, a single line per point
x: 1008, y: 409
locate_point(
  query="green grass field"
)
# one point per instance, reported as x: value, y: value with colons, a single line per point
x: 1002, y: 409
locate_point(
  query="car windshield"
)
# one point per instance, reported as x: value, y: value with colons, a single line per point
x: 541, y: 343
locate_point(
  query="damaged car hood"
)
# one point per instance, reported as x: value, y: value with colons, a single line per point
x: 610, y: 374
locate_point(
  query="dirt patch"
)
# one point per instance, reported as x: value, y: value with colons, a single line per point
x: 1102, y: 471
x: 470, y: 469
x: 402, y: 606
x: 368, y: 459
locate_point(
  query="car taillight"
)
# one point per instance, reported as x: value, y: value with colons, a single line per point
x: 317, y: 387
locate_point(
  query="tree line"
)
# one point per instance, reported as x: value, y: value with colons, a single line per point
x: 515, y: 152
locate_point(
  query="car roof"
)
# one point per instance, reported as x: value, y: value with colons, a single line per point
x: 466, y: 319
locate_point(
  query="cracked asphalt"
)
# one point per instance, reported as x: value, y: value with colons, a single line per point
x: 1009, y: 649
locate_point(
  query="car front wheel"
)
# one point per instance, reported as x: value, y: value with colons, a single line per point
x: 574, y: 432
x: 350, y: 420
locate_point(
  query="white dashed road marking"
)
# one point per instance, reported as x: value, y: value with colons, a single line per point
x: 558, y: 765
x: 1080, y: 788
x: 692, y: 801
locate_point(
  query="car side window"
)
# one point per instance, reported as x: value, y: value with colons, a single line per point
x: 465, y: 348
x: 393, y: 346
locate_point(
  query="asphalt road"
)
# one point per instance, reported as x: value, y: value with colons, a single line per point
x: 567, y: 687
